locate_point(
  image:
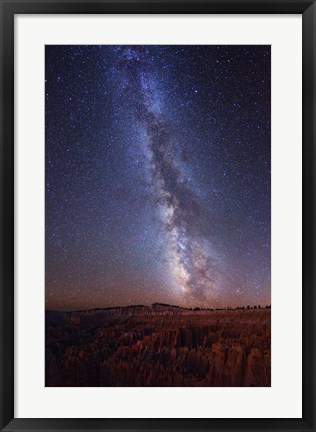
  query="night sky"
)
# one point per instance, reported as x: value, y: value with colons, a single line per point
x: 158, y: 175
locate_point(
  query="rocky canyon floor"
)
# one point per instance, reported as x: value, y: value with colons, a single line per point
x: 158, y: 346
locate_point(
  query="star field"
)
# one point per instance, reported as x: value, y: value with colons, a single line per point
x: 158, y: 175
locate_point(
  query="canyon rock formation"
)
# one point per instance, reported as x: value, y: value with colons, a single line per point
x: 158, y: 346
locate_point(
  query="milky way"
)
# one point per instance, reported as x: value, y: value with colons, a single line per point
x: 192, y: 265
x: 157, y: 175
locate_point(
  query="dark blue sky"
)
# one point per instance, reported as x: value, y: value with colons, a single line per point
x: 157, y: 175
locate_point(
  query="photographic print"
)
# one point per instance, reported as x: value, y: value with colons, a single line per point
x: 158, y: 215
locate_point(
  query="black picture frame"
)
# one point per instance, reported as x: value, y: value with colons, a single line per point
x: 8, y: 10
